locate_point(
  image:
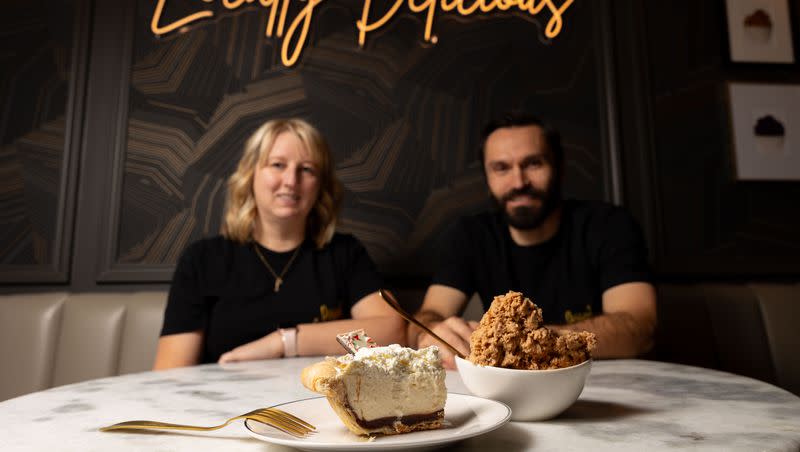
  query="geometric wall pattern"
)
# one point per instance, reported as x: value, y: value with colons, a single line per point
x: 402, y: 118
x: 36, y: 61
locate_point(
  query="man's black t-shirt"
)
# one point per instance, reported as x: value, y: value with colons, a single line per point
x: 597, y: 246
x: 222, y: 288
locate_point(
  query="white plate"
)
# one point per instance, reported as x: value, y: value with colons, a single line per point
x: 465, y: 416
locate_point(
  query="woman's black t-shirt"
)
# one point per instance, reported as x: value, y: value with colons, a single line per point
x: 223, y: 288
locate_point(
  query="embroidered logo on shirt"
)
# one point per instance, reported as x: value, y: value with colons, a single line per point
x: 569, y: 317
x: 326, y: 314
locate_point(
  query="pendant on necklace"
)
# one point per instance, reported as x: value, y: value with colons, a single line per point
x: 278, y: 282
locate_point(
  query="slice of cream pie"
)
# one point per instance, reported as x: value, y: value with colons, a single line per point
x: 383, y: 390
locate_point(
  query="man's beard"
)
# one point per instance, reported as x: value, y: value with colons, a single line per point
x: 529, y: 217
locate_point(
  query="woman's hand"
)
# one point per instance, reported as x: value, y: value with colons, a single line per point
x: 269, y: 346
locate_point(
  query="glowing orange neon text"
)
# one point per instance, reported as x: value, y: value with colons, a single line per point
x: 302, y: 22
x: 532, y: 7
x: 298, y: 29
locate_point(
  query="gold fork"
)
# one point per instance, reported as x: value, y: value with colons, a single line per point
x: 389, y: 298
x: 273, y: 417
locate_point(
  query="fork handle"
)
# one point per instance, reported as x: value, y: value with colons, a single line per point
x: 154, y: 425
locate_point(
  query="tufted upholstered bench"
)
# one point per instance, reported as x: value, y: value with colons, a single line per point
x: 748, y: 329
x: 53, y: 339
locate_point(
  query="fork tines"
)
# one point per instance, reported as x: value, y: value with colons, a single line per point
x: 283, y: 421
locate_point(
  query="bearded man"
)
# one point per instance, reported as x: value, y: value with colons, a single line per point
x: 583, y: 262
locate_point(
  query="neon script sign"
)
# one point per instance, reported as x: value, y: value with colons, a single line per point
x: 297, y: 31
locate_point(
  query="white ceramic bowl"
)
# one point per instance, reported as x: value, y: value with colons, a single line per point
x: 533, y: 395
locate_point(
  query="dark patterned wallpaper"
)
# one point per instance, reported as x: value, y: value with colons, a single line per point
x: 402, y: 117
x: 712, y: 223
x: 36, y: 61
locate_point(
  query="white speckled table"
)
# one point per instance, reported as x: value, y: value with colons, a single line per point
x: 627, y: 405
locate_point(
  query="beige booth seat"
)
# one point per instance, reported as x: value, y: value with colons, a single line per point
x: 780, y: 309
x: 747, y: 329
x: 53, y: 339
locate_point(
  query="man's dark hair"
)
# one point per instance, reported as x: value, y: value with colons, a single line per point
x: 520, y: 118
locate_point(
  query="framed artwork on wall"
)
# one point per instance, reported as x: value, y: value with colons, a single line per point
x: 766, y: 130
x: 759, y: 31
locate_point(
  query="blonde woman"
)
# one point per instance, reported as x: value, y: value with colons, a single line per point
x: 279, y: 281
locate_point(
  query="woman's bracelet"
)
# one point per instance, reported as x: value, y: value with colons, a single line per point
x: 289, y: 338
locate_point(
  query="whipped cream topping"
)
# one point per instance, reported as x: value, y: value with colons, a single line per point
x: 393, y: 381
x: 397, y: 359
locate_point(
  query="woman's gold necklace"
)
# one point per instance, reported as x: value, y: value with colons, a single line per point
x: 278, y: 278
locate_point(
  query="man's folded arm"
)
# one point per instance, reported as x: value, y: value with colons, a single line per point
x: 626, y: 327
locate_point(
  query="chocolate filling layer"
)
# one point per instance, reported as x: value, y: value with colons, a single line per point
x: 411, y: 419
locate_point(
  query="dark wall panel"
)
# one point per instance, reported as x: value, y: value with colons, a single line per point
x: 40, y: 99
x: 402, y: 118
x: 712, y: 223
x: 639, y: 90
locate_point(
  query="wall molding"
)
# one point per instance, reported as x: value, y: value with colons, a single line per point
x: 58, y: 269
x: 610, y: 116
x: 637, y: 136
x: 104, y: 143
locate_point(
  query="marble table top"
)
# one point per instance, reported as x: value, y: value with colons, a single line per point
x: 627, y: 405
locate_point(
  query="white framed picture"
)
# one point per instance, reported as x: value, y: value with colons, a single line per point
x: 759, y: 31
x: 766, y: 130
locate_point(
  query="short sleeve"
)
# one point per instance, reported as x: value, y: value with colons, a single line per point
x: 622, y: 255
x: 187, y: 307
x: 454, y: 259
x: 360, y: 275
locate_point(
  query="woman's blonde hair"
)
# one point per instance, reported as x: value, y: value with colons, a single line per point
x: 240, y: 205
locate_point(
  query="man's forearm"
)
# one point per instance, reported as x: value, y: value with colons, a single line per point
x: 619, y: 334
x: 428, y: 318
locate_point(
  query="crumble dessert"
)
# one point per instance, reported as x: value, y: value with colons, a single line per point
x: 511, y: 335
